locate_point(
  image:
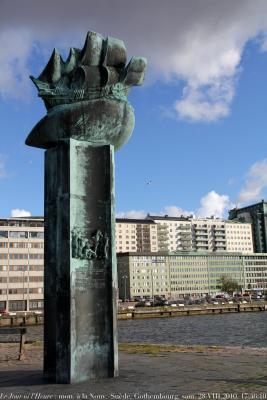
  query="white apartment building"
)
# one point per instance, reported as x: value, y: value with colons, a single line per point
x: 202, y: 234
x: 21, y: 263
x: 136, y: 235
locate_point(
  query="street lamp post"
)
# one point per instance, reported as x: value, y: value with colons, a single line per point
x: 152, y: 285
x: 124, y: 277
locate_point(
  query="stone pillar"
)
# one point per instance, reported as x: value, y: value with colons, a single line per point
x: 80, y: 263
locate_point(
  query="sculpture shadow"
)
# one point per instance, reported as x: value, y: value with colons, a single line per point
x: 16, y: 378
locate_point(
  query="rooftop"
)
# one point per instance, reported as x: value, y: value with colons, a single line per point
x: 191, y: 253
x: 134, y: 221
x: 262, y: 202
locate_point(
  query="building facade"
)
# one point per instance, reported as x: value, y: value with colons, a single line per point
x: 136, y: 235
x: 195, y: 242
x: 21, y: 263
x: 183, y: 274
x: 256, y: 214
x: 203, y: 234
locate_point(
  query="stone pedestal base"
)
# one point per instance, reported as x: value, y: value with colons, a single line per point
x: 80, y: 263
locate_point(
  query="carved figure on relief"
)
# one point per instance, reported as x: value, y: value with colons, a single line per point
x: 96, y: 247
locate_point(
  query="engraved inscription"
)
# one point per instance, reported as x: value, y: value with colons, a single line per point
x: 95, y: 247
x: 89, y: 278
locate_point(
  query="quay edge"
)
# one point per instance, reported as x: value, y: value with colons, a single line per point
x: 27, y: 319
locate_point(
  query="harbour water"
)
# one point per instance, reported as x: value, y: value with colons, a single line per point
x: 244, y: 329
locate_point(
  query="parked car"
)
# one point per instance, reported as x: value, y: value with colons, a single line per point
x: 214, y: 301
x: 140, y: 304
x: 159, y: 303
x: 165, y: 302
x: 255, y: 298
x: 199, y: 301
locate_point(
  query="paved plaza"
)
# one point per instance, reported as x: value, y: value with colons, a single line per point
x: 188, y: 373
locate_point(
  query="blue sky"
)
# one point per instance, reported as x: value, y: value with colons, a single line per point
x: 201, y: 129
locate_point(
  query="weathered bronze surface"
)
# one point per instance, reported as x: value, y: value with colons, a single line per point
x: 88, y: 115
x: 86, y: 96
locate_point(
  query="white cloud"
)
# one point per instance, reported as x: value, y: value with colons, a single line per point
x: 197, y: 41
x: 139, y: 214
x: 17, y: 212
x: 206, y: 103
x: 214, y: 204
x: 14, y: 74
x: 256, y: 181
x: 171, y: 211
x: 3, y: 172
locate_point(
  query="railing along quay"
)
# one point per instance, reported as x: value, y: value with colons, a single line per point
x: 25, y: 319
x: 159, y: 312
x: 21, y: 319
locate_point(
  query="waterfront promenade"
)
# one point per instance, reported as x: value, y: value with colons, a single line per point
x: 129, y: 312
x: 146, y: 372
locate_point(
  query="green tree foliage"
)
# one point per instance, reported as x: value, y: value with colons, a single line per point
x: 227, y: 284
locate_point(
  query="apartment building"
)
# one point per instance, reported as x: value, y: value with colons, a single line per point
x: 202, y: 234
x: 256, y: 214
x: 21, y: 253
x: 136, y: 235
x: 21, y: 263
x: 182, y: 274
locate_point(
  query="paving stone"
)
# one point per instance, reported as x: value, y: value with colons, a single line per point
x: 226, y: 374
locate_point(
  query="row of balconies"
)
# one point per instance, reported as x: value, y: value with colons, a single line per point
x: 199, y: 234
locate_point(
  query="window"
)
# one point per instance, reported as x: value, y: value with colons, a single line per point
x: 38, y: 256
x: 36, y: 267
x: 19, y: 305
x: 36, y: 304
x: 36, y: 290
x: 36, y: 279
x: 36, y: 245
x: 17, y: 291
x: 18, y: 279
x: 15, y: 245
x: 39, y: 235
x: 4, y: 234
x: 18, y: 234
x: 18, y: 268
x: 18, y: 256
